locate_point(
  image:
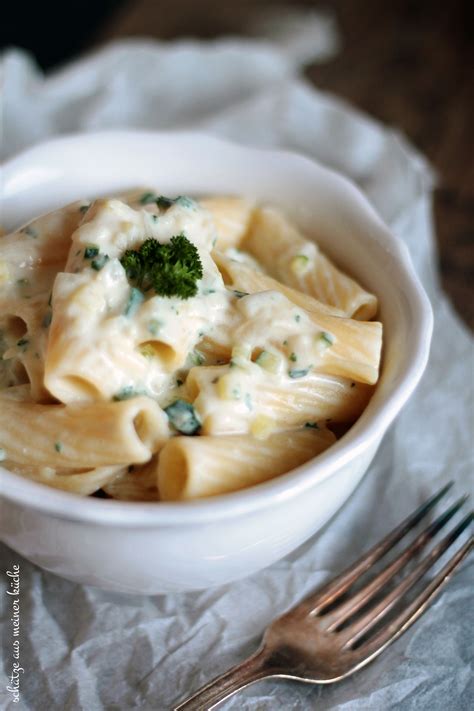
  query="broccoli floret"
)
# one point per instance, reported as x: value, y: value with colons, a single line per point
x: 171, y: 269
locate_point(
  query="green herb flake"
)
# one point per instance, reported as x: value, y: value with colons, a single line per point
x: 91, y: 251
x: 134, y: 302
x: 23, y: 343
x: 328, y: 338
x: 47, y: 318
x: 311, y: 425
x: 183, y: 417
x: 22, y: 282
x: 298, y: 373
x: 285, y: 343
x: 147, y: 198
x: 164, y: 202
x: 196, y: 358
x: 179, y: 382
x: 99, y: 262
x: 127, y: 393
x: 154, y: 326
x: 84, y: 208
x: 299, y: 264
x: 297, y: 318
x: 293, y: 357
x: 30, y: 231
x: 171, y: 269
x: 239, y: 294
x: 58, y: 447
x: 185, y: 201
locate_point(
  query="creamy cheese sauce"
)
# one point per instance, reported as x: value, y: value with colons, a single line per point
x: 89, y: 321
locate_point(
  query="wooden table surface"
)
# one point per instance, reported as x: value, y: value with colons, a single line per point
x: 408, y: 63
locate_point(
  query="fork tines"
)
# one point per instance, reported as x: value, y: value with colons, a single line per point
x: 336, y: 611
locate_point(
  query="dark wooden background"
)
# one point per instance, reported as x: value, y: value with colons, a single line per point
x: 409, y: 63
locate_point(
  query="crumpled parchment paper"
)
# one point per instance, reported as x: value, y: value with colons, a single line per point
x: 82, y: 648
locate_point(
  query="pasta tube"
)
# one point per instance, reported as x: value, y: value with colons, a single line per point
x: 82, y: 436
x: 231, y: 217
x: 298, y: 262
x: 195, y: 467
x: 238, y: 400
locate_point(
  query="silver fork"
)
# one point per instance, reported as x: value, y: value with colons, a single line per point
x: 320, y: 641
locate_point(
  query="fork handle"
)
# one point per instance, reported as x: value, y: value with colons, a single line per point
x: 220, y: 688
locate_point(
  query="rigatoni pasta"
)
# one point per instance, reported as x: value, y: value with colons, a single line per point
x: 157, y: 348
x: 195, y: 467
x: 281, y: 248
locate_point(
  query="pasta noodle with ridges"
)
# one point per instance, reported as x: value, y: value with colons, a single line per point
x: 298, y: 262
x: 195, y: 467
x: 149, y: 374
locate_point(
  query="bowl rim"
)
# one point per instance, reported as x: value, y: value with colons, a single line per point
x: 367, y: 431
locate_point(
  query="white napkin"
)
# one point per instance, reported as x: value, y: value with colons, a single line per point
x: 87, y: 649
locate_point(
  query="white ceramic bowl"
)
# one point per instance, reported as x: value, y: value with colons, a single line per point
x: 162, y: 547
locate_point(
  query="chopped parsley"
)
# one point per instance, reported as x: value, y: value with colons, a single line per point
x: 84, y: 208
x: 299, y: 264
x: 311, y: 425
x: 30, y: 231
x: 171, y: 269
x: 196, y: 358
x: 239, y: 294
x: 183, y: 417
x: 127, y: 393
x: 298, y: 373
x: 23, y: 344
x: 147, y: 198
x: 22, y: 282
x: 99, y: 262
x: 154, y: 326
x: 164, y: 202
x: 328, y: 338
x: 293, y: 357
x: 297, y: 318
x: 58, y: 447
x: 236, y: 392
x: 47, y: 318
x: 91, y: 251
x: 135, y: 299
